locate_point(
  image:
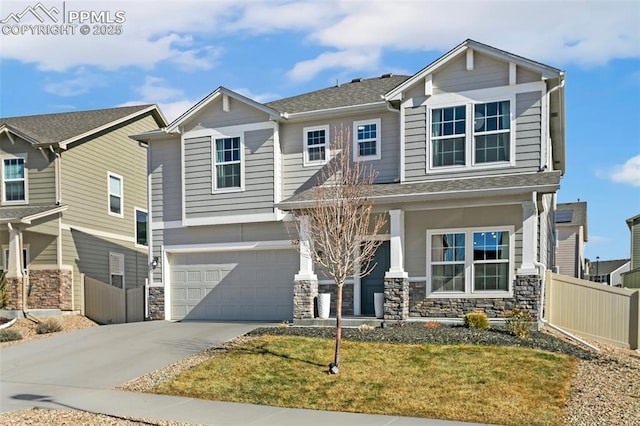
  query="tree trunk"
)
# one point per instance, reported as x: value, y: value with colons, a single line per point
x: 336, y: 360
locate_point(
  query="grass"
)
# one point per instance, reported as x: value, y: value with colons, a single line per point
x: 498, y: 385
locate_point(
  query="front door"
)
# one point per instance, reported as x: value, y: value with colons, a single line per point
x: 374, y: 282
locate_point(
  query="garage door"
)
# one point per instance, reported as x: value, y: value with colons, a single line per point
x: 244, y: 285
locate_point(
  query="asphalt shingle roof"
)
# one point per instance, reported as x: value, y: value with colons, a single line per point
x: 359, y: 92
x: 442, y: 187
x: 56, y: 128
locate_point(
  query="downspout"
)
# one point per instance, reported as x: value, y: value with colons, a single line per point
x: 544, y: 160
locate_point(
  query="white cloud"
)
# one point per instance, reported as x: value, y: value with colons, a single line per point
x: 83, y: 82
x: 190, y: 34
x: 172, y: 102
x: 627, y: 173
x: 258, y: 97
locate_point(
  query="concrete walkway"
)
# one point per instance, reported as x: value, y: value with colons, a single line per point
x: 79, y: 370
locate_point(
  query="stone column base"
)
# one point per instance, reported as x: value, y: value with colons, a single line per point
x: 156, y: 303
x: 304, y: 293
x: 14, y: 293
x: 396, y: 299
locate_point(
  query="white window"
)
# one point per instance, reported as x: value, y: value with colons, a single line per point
x: 14, y: 180
x: 115, y: 184
x: 227, y: 164
x: 491, y: 130
x: 470, y: 261
x: 142, y: 227
x: 471, y: 134
x: 116, y: 269
x: 366, y: 140
x: 316, y: 145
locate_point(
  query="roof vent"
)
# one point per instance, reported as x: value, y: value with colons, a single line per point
x: 357, y: 80
x: 388, y: 75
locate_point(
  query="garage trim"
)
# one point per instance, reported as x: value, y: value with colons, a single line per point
x: 217, y: 247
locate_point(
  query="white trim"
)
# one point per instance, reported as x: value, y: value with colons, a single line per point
x: 96, y: 233
x: 59, y: 242
x: 214, y: 175
x: 356, y: 141
x: 227, y: 220
x: 512, y: 74
x: 121, y: 195
x: 170, y: 224
x: 225, y: 130
x: 469, y: 59
x: 18, y: 156
x: 337, y: 111
x: 135, y: 226
x: 469, y: 291
x: 183, y: 187
x: 277, y: 165
x: 223, y: 247
x: 305, y: 148
x: 25, y: 258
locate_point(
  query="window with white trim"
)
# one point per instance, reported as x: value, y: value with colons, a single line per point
x: 491, y: 132
x: 469, y: 261
x: 116, y: 269
x: 14, y: 180
x: 366, y: 140
x: 227, y: 163
x: 115, y: 194
x: 448, y: 129
x: 142, y: 227
x: 316, y: 145
x: 456, y: 141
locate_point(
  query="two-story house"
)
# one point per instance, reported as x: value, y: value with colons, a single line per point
x: 73, y: 200
x: 571, y: 237
x: 631, y: 278
x: 469, y: 151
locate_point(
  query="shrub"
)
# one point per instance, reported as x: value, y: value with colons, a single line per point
x: 8, y: 335
x: 519, y: 323
x: 283, y: 324
x: 476, y: 320
x: 365, y: 327
x: 431, y: 325
x: 47, y: 326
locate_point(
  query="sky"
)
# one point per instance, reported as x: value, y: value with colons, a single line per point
x: 174, y: 53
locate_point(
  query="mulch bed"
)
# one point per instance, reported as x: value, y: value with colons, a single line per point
x: 416, y: 333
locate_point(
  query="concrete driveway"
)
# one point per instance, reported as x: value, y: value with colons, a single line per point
x: 106, y: 356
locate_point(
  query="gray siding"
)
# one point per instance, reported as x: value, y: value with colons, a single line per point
x: 528, y: 130
x: 258, y: 194
x: 165, y: 180
x: 156, y: 251
x: 213, y: 116
x: 487, y: 72
x: 415, y: 143
x: 297, y: 178
x: 567, y: 251
x: 40, y: 170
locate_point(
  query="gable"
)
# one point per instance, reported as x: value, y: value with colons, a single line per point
x: 223, y: 113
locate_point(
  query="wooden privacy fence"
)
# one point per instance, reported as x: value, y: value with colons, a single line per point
x: 594, y: 311
x: 106, y: 304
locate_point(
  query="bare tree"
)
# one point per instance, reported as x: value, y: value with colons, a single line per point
x: 340, y: 224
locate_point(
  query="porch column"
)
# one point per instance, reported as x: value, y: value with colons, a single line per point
x: 305, y: 282
x: 529, y: 237
x: 14, y: 266
x: 396, y: 243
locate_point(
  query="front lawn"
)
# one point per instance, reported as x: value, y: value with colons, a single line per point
x: 487, y: 384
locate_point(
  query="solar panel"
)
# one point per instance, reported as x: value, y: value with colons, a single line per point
x: 564, y: 216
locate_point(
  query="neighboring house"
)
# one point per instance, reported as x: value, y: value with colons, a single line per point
x: 631, y: 279
x: 571, y: 226
x: 469, y: 150
x: 607, y: 271
x: 73, y: 201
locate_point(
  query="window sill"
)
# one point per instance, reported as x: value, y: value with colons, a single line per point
x: 15, y: 203
x: 227, y: 191
x: 120, y: 216
x: 476, y: 295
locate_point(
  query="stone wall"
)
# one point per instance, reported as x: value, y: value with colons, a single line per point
x: 50, y: 289
x: 304, y: 294
x: 526, y: 297
x: 14, y: 293
x: 156, y: 303
x: 347, y: 297
x: 396, y: 299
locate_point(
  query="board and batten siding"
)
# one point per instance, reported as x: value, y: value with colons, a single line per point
x: 165, y: 180
x: 40, y: 170
x: 202, y: 201
x: 528, y: 135
x: 297, y: 177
